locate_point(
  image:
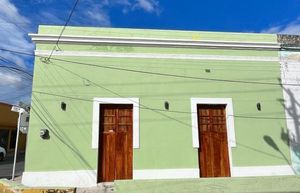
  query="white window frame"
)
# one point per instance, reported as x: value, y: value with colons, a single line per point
x: 96, y: 114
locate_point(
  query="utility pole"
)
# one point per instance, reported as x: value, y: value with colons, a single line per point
x: 21, y: 111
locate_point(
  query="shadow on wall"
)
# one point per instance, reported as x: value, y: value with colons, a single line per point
x: 293, y: 134
x: 290, y: 137
x: 272, y: 143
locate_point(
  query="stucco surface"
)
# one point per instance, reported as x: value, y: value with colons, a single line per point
x: 165, y: 136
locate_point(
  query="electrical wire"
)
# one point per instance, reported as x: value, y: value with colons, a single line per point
x: 19, y: 69
x: 161, y: 110
x: 15, y: 24
x: 66, y: 140
x: 172, y: 75
x: 16, y: 69
x: 64, y: 27
x: 156, y: 73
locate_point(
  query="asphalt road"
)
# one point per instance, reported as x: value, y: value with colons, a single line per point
x: 6, y: 165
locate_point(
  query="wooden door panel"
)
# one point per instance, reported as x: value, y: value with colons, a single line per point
x: 115, y: 143
x: 108, y: 161
x: 204, y: 150
x: 216, y: 154
x: 213, y: 151
x: 123, y: 157
x: 225, y: 165
x: 124, y: 144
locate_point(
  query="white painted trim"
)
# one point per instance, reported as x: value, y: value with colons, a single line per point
x: 229, y: 118
x: 96, y: 111
x: 153, y: 42
x: 245, y: 171
x: 76, y: 178
x: 229, y: 122
x: 81, y: 37
x: 280, y: 170
x: 165, y: 174
x: 88, y: 178
x: 157, y: 56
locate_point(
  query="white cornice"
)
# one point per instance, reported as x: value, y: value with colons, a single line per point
x: 151, y: 42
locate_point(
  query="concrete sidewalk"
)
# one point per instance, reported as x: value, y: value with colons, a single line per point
x: 8, y: 186
x: 272, y: 184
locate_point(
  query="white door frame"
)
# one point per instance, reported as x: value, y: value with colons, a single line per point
x: 135, y: 115
x: 229, y: 122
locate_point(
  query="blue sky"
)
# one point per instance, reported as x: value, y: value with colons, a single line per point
x: 20, y: 17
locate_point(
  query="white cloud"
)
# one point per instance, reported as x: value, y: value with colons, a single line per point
x: 290, y: 28
x: 9, y: 79
x: 98, y: 17
x: 116, y: 2
x: 10, y: 12
x: 98, y: 12
x: 16, y: 59
x: 51, y: 17
x: 150, y: 6
x: 14, y: 86
x: 14, y: 34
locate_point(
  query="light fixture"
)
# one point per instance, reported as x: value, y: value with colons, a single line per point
x: 44, y: 133
x: 167, y: 105
x: 258, y: 106
x: 63, y: 106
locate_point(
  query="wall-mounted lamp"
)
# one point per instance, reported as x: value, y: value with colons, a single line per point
x: 63, y: 106
x: 44, y: 133
x: 258, y: 106
x: 167, y: 105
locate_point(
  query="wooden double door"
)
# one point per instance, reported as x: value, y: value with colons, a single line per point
x: 115, y: 142
x: 213, y: 152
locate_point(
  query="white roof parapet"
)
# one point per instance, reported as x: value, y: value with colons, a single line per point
x: 151, y: 42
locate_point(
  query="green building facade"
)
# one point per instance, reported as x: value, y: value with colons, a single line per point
x: 164, y: 75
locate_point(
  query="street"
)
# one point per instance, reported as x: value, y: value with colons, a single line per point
x: 6, y: 165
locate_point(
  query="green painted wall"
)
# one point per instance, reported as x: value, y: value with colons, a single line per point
x: 164, y: 142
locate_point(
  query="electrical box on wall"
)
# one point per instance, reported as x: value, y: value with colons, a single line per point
x: 24, y: 122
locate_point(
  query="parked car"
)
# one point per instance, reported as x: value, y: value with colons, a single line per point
x: 2, y: 153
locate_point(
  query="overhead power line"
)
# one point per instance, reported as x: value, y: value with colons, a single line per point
x: 119, y: 95
x: 8, y: 61
x: 64, y: 27
x: 157, y: 73
x: 155, y: 109
x: 15, y: 24
x: 45, y: 117
x: 16, y: 68
x: 159, y: 111
x: 173, y: 75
